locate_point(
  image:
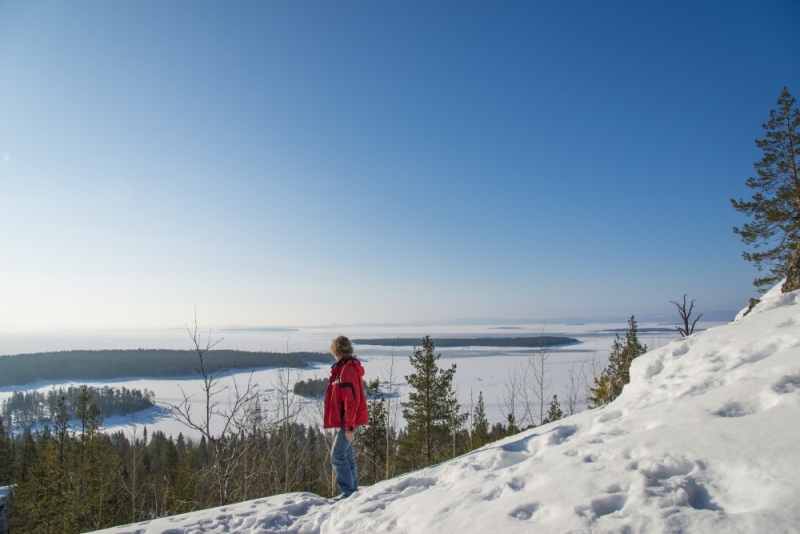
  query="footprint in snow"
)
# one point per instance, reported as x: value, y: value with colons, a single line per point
x: 680, y: 351
x: 610, y: 416
x: 601, y: 506
x: 516, y: 484
x: 759, y: 403
x: 521, y: 445
x: 654, y: 368
x: 493, y: 494
x: 561, y: 434
x: 525, y: 511
x: 787, y: 384
x: 667, y: 467
x: 698, y: 496
x: 609, y: 504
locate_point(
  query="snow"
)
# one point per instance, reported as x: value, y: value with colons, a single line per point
x: 704, y: 439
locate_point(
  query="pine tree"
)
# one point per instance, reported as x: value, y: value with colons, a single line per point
x: 554, y: 413
x: 42, y: 503
x: 25, y: 457
x: 5, y: 456
x: 94, y: 491
x: 455, y: 422
x: 600, y: 393
x: 775, y: 206
x: 512, y: 425
x: 480, y: 424
x: 164, y: 466
x: 61, y: 429
x: 430, y: 408
x: 609, y: 384
x: 372, y: 438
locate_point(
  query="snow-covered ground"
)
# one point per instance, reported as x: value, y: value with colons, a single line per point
x: 704, y: 439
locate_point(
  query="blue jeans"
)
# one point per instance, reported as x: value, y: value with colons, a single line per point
x: 343, y: 459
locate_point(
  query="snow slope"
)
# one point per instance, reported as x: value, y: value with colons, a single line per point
x: 706, y: 438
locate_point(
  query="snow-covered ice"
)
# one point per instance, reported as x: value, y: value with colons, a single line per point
x: 705, y: 438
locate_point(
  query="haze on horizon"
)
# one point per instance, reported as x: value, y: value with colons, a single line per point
x: 309, y: 164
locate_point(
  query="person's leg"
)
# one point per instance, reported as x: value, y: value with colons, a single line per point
x: 351, y: 462
x: 340, y: 459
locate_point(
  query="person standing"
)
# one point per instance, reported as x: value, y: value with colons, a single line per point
x: 345, y: 409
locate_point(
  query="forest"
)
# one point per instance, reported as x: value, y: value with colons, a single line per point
x: 110, y: 364
x: 27, y: 408
x: 512, y: 342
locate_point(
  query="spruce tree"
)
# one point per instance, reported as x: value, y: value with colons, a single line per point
x: 554, y: 413
x: 26, y: 456
x: 512, y: 425
x: 609, y: 384
x: 42, y: 503
x: 480, y: 424
x: 774, y: 230
x: 5, y: 456
x: 498, y: 431
x: 372, y: 439
x: 599, y: 393
x: 430, y: 408
x: 93, y: 494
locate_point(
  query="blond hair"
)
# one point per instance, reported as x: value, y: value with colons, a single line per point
x: 341, y: 348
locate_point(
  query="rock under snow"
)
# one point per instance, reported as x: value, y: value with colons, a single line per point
x: 705, y: 438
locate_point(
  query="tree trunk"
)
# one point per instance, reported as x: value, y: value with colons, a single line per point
x: 792, y: 274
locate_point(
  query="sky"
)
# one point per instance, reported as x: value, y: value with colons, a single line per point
x: 310, y: 163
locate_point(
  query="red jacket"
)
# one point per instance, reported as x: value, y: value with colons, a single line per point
x: 345, y: 403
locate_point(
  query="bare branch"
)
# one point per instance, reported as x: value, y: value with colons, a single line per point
x: 687, y: 329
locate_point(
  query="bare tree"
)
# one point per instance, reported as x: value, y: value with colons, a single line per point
x: 686, y: 315
x: 576, y: 384
x: 513, y: 395
x: 542, y: 379
x: 324, y: 471
x: 292, y: 445
x: 392, y: 414
x: 228, y: 446
x: 529, y: 385
x: 594, y: 369
x: 580, y: 378
x: 456, y: 419
x: 470, y: 420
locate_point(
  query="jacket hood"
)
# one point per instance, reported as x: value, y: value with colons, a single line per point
x: 352, y: 361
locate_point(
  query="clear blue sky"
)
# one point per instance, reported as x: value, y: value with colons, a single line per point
x: 303, y: 163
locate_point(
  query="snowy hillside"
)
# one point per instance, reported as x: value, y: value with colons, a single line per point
x: 706, y: 438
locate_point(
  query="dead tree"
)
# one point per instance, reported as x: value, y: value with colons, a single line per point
x: 686, y: 316
x: 230, y: 420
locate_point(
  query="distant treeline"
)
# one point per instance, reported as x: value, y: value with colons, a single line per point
x: 25, y: 408
x: 109, y: 364
x: 516, y: 342
x: 650, y: 330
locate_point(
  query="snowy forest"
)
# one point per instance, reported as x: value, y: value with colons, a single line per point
x: 32, y: 408
x: 73, y: 477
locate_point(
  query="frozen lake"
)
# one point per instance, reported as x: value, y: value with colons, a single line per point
x: 479, y: 369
